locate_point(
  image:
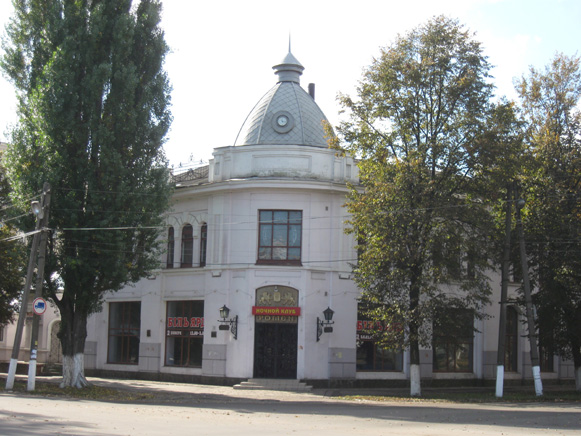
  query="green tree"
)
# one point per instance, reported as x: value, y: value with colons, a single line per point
x: 93, y: 101
x: 12, y: 259
x: 551, y: 184
x: 420, y: 215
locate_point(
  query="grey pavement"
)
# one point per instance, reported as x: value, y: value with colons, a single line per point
x: 178, y: 408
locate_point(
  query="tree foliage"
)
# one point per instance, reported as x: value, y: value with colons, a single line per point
x: 419, y: 127
x: 551, y: 183
x: 94, y: 109
x: 12, y: 259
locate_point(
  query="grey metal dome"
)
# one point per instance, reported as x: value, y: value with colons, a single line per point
x: 287, y: 114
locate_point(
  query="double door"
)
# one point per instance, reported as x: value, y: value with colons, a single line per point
x: 275, y: 350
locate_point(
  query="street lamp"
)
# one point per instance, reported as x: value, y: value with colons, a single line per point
x: 37, y: 209
x: 324, y: 326
x: 228, y: 324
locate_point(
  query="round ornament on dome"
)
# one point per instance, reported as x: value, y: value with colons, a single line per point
x: 282, y: 122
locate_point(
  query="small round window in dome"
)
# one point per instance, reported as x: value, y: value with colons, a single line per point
x: 283, y: 122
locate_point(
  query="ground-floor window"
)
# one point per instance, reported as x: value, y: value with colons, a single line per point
x: 373, y: 356
x: 546, y: 352
x: 453, y: 342
x: 124, y: 331
x: 184, y: 333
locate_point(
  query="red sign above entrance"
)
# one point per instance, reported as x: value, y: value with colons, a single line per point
x: 276, y: 311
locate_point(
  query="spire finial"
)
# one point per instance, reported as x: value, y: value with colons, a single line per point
x: 290, y: 69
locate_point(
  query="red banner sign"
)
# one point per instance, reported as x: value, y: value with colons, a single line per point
x: 185, y: 322
x: 276, y: 311
x: 377, y: 326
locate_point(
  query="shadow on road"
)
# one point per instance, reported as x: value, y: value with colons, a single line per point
x: 32, y: 424
x: 562, y: 416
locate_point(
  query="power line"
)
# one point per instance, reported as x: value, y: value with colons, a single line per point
x: 13, y: 218
x: 98, y: 191
x: 21, y: 236
x: 88, y: 229
x: 26, y: 200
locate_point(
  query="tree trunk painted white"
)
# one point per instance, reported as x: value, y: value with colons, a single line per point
x: 74, y: 371
x: 538, y: 382
x: 499, y: 381
x: 578, y: 378
x: 11, y: 374
x: 415, y: 384
x: 31, y: 373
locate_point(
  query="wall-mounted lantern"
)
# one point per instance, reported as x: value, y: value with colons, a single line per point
x: 324, y: 326
x: 228, y: 324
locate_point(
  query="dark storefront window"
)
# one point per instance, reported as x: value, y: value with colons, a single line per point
x: 280, y: 234
x: 453, y: 342
x: 124, y: 331
x: 184, y: 333
x: 372, y: 356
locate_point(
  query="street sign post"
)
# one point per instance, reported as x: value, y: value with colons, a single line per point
x: 39, y: 306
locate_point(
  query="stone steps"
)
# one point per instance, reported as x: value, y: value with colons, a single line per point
x: 270, y: 384
x: 53, y: 369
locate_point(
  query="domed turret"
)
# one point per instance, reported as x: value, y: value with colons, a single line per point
x: 287, y: 114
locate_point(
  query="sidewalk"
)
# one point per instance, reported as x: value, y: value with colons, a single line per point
x: 177, y: 390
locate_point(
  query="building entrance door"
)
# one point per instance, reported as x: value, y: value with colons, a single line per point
x: 275, y: 350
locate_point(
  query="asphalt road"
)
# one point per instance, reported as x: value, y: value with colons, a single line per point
x: 184, y: 409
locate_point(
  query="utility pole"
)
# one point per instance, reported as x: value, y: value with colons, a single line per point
x: 535, y: 362
x: 45, y: 205
x: 23, y: 307
x: 504, y: 294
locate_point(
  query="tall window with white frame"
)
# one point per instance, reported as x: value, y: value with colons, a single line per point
x: 170, y: 248
x: 187, y: 246
x: 124, y: 332
x: 203, y: 244
x: 280, y: 237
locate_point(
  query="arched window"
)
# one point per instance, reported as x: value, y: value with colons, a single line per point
x: 187, y: 246
x: 170, y: 248
x: 203, y: 244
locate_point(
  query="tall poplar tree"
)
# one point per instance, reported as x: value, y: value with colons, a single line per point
x: 93, y: 101
x: 418, y: 128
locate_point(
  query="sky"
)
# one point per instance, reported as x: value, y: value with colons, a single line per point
x: 222, y: 53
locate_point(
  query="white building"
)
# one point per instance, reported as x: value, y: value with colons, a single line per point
x: 261, y: 231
